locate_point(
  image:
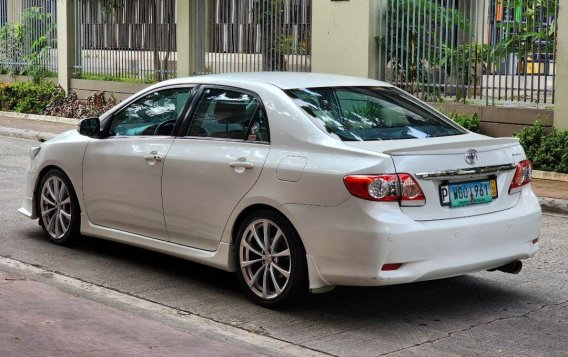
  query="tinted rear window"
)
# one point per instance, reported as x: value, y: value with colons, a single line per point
x: 371, y: 113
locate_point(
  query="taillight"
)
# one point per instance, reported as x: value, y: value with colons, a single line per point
x: 523, y: 176
x: 389, y: 187
x: 411, y: 193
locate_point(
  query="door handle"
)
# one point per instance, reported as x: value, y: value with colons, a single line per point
x: 153, y: 156
x: 242, y: 164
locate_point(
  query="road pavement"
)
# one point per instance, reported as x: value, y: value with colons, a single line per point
x: 479, y: 314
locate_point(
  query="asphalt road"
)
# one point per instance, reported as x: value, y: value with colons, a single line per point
x: 479, y: 314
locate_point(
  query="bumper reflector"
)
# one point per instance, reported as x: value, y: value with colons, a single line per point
x: 389, y: 267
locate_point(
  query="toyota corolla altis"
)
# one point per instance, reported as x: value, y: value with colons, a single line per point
x: 296, y: 182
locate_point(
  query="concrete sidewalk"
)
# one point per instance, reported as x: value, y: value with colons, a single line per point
x: 41, y: 320
x: 553, y: 195
x: 48, y: 314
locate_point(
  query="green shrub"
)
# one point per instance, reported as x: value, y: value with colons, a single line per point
x: 27, y: 97
x: 547, y: 151
x: 468, y: 121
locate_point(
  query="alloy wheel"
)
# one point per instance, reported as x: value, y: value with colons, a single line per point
x: 55, y: 207
x: 264, y: 258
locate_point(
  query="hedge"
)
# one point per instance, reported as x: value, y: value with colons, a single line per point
x: 547, y: 151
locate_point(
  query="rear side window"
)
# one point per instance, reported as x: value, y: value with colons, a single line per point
x: 230, y: 114
x: 371, y: 113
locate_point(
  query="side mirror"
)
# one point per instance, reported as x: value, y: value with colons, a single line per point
x: 89, y: 127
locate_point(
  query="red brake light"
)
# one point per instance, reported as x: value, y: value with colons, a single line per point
x: 389, y: 187
x: 523, y: 176
x: 373, y: 187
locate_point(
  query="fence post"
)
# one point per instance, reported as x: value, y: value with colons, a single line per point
x: 65, y: 42
x: 561, y: 94
x: 343, y: 37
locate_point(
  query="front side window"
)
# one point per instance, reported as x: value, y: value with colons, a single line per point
x: 228, y: 114
x: 371, y: 113
x: 153, y: 114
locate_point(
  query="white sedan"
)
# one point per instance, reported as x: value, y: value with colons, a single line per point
x: 297, y: 182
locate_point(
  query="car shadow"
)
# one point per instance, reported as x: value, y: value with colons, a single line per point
x: 423, y: 303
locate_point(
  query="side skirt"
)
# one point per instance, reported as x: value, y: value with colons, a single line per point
x: 222, y: 258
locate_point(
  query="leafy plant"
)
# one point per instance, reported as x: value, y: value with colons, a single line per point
x: 548, y: 150
x: 109, y: 6
x: 529, y: 32
x: 288, y: 44
x: 416, y: 49
x: 269, y: 14
x: 28, y: 97
x: 24, y: 46
x: 71, y: 106
x: 468, y: 121
x: 467, y: 63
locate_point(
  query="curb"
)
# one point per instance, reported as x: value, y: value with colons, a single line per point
x: 548, y: 175
x: 26, y: 134
x: 37, y: 117
x: 553, y: 205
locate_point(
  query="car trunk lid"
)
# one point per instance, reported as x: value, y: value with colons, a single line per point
x: 440, y: 167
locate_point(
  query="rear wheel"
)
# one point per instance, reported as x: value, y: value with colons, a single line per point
x: 271, y: 260
x: 58, y: 208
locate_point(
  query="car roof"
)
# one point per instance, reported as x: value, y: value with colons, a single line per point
x: 284, y: 80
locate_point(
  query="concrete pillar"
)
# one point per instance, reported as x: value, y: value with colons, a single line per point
x: 13, y: 11
x: 561, y: 95
x: 65, y: 42
x: 381, y: 11
x: 191, y: 36
x: 343, y: 37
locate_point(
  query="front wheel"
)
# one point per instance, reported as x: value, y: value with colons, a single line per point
x: 58, y: 208
x: 271, y: 260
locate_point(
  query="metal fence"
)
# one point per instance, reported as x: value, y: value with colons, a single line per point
x: 28, y: 37
x: 133, y: 40
x: 136, y: 39
x: 477, y: 50
x: 259, y: 35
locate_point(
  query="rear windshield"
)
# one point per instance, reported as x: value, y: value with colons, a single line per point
x: 371, y: 113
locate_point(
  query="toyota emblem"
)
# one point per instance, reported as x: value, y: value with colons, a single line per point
x: 471, y: 157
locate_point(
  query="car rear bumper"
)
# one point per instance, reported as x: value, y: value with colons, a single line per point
x: 350, y: 243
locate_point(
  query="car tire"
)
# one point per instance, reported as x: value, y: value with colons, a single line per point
x: 58, y: 208
x: 271, y: 260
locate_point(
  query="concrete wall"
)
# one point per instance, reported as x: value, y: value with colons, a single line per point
x: 119, y: 90
x: 561, y: 97
x: 499, y: 121
x: 343, y: 37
